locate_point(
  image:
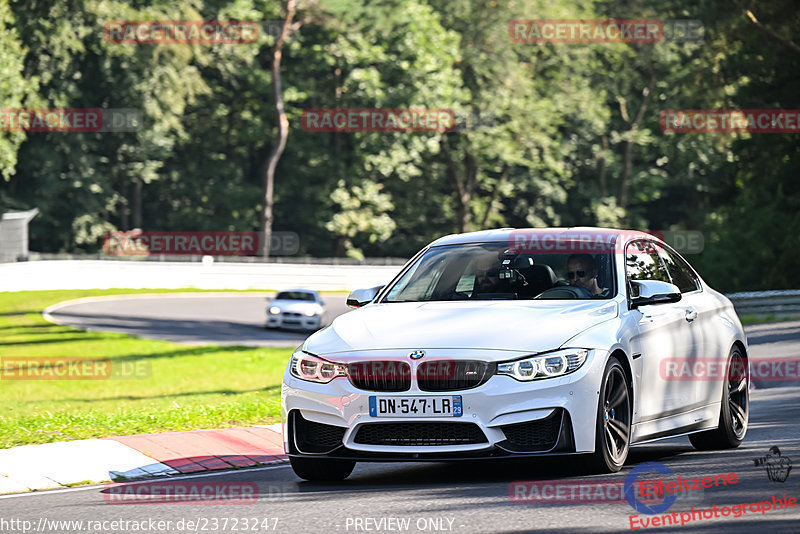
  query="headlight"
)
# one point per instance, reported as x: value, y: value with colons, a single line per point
x: 309, y: 313
x: 274, y: 310
x: 558, y: 363
x: 307, y: 367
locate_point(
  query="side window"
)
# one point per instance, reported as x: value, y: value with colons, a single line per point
x: 681, y: 274
x: 642, y: 263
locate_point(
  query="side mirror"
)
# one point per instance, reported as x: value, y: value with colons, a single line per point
x: 361, y: 297
x: 654, y: 292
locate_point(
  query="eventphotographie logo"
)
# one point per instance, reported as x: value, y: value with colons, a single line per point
x: 777, y: 466
x: 635, y: 501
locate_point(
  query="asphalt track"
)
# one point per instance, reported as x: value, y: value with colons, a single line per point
x: 197, y: 319
x: 462, y: 497
x: 467, y: 496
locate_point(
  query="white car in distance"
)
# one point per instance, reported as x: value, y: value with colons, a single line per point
x: 298, y: 309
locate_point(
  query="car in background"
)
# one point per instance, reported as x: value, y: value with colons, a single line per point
x: 300, y: 309
x: 490, y: 345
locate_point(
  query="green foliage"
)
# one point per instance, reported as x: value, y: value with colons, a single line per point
x: 175, y: 387
x: 16, y: 91
x: 363, y: 210
x: 547, y: 134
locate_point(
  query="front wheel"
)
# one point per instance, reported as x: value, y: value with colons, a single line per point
x: 321, y: 469
x: 734, y: 410
x: 613, y: 429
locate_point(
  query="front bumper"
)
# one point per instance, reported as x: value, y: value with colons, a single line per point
x: 294, y: 322
x: 506, y: 417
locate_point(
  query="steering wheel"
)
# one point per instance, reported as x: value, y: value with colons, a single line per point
x: 564, y: 292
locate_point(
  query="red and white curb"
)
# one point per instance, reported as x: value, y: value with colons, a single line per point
x: 54, y: 465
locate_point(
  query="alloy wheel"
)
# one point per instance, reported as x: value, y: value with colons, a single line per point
x: 616, y: 415
x: 737, y: 394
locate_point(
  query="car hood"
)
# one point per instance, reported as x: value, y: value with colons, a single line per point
x: 490, y: 325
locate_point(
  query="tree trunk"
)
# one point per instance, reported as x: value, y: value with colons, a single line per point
x: 283, y: 130
x: 137, y: 202
x: 465, y: 183
x: 124, y: 213
x: 784, y: 41
x: 602, y: 165
x: 627, y: 173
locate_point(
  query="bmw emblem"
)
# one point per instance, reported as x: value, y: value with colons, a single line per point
x: 417, y: 354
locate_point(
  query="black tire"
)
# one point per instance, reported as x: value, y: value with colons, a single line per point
x: 613, y: 427
x: 734, y: 411
x: 321, y: 469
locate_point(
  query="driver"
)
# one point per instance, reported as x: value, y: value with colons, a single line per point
x: 582, y: 272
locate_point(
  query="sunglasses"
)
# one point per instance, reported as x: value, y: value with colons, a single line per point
x: 580, y: 274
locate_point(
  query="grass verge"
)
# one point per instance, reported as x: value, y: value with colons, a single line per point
x: 164, y: 386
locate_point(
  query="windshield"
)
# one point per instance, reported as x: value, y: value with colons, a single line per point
x: 490, y: 271
x: 295, y: 295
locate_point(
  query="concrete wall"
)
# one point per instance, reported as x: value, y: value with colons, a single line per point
x: 89, y: 274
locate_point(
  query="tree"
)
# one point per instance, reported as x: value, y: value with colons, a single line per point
x: 283, y: 126
x: 16, y: 92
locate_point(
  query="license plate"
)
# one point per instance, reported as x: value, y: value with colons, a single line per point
x: 428, y: 406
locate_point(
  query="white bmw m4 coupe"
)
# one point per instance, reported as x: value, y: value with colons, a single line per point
x: 501, y: 343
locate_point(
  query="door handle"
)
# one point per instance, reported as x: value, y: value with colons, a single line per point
x: 691, y: 315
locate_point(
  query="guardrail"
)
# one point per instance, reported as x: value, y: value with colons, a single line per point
x: 784, y: 303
